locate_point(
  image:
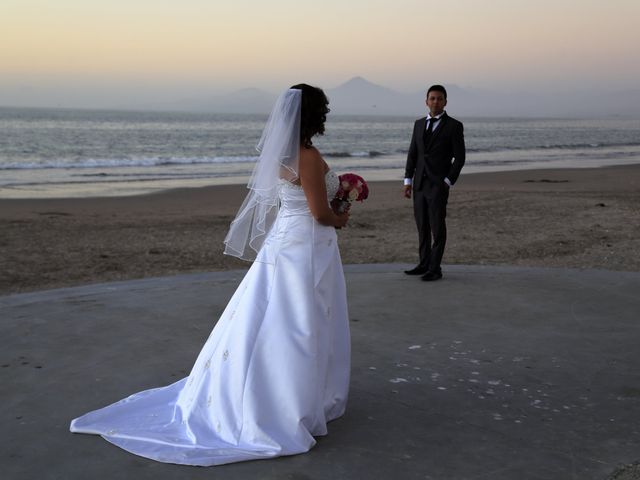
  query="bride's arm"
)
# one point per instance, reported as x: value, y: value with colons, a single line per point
x: 312, y: 172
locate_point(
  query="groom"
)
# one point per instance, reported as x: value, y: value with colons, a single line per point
x: 436, y: 156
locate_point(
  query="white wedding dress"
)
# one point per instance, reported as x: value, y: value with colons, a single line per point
x: 274, y: 370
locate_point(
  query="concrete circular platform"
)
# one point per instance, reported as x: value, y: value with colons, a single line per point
x: 491, y: 373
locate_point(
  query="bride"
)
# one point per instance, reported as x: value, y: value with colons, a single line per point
x: 275, y: 368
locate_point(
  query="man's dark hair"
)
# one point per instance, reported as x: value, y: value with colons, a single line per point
x: 437, y: 88
x: 313, y: 113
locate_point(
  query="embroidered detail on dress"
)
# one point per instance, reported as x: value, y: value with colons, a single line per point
x: 332, y: 182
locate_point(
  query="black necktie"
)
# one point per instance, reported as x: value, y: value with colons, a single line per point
x: 429, y: 132
x: 432, y: 120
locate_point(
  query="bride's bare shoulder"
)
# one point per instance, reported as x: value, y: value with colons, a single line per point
x: 310, y: 154
x: 311, y: 159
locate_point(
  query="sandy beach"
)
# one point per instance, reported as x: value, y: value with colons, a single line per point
x: 578, y: 218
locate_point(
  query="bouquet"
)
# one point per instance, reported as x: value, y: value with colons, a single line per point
x: 352, y: 188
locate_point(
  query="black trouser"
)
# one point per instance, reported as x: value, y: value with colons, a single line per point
x: 430, y: 210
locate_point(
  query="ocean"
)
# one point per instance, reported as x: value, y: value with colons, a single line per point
x: 78, y: 153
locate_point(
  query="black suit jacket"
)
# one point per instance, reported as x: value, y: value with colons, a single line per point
x: 443, y: 157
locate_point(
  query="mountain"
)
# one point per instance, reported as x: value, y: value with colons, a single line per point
x: 359, y: 96
x: 356, y: 96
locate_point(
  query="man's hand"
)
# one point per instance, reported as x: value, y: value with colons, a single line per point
x: 407, y: 191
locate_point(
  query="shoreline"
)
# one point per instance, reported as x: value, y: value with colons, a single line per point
x: 87, y: 190
x: 577, y: 218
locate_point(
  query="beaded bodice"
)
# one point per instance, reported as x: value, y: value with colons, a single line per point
x: 293, y: 200
x: 331, y: 180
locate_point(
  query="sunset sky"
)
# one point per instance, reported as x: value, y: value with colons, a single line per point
x: 94, y: 53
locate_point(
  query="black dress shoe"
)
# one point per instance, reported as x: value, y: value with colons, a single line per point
x: 417, y: 271
x: 431, y: 276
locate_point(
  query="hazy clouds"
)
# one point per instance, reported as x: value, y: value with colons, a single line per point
x: 114, y: 54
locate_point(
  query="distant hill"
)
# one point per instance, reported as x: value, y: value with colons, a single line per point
x: 359, y: 96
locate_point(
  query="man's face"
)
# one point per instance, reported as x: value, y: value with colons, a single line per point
x: 436, y: 103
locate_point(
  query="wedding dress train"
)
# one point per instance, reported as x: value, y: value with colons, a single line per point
x: 274, y: 370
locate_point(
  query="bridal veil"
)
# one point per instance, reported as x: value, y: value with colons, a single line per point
x: 279, y: 150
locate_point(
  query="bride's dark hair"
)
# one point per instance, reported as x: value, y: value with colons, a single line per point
x: 313, y: 113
